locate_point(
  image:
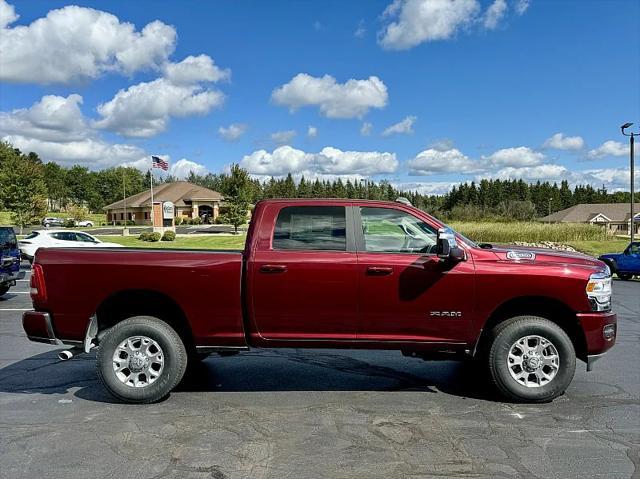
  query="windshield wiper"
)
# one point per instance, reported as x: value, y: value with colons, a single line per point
x: 485, y: 245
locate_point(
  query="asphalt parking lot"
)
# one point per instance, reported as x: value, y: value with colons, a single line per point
x: 315, y: 413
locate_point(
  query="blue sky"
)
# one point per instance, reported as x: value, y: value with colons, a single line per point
x: 424, y: 93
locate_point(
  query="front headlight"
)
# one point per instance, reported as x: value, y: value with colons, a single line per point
x: 599, y: 291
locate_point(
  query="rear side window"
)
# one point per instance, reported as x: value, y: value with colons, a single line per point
x: 311, y: 228
x: 32, y: 235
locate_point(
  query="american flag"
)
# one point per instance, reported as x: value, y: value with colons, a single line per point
x: 158, y: 162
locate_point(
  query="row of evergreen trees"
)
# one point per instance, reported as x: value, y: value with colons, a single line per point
x: 57, y: 187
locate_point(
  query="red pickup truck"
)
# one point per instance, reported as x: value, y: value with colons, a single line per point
x: 327, y: 274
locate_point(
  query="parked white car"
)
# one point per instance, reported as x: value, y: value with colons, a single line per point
x: 59, y: 239
x: 85, y: 223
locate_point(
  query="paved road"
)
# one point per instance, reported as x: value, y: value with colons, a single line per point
x: 315, y: 413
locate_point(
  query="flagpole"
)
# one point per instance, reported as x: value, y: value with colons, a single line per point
x: 124, y: 198
x: 151, y: 178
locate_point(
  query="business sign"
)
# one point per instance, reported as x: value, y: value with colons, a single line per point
x: 168, y: 210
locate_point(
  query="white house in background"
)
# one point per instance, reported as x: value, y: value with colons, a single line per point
x: 616, y: 217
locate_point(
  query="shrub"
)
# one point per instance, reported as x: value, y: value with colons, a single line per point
x: 196, y: 221
x: 169, y: 236
x: 69, y: 223
x: 144, y: 236
x: 155, y: 236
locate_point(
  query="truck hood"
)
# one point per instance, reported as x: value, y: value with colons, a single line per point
x: 523, y: 254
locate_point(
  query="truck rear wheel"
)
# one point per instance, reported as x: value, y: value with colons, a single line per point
x: 141, y: 359
x: 531, y: 359
x: 3, y: 289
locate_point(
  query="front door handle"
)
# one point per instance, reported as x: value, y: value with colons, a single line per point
x: 273, y: 268
x: 379, y: 271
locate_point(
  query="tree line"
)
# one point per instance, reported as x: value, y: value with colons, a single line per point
x: 29, y: 188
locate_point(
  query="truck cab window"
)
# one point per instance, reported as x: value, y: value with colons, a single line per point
x: 392, y: 231
x: 311, y: 228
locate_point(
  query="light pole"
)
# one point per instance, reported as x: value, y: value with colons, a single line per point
x: 631, y: 141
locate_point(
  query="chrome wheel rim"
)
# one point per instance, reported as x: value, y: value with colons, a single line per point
x: 533, y: 361
x: 138, y: 361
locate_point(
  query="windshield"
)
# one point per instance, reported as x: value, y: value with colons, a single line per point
x: 7, y: 237
x: 464, y: 239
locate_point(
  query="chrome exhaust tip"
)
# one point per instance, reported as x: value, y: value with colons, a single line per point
x: 66, y: 354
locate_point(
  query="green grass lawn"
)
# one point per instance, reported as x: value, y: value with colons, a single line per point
x: 196, y: 242
x: 596, y: 248
x: 97, y: 218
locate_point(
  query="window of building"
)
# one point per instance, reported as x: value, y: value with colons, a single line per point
x: 311, y: 228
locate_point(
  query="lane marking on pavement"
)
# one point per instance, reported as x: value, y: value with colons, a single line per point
x: 16, y: 309
x: 19, y: 292
x: 25, y: 280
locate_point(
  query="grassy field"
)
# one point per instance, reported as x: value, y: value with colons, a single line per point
x: 596, y: 248
x: 203, y: 242
x: 529, y: 231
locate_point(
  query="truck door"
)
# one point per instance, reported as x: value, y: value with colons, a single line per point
x: 303, y: 278
x: 406, y: 292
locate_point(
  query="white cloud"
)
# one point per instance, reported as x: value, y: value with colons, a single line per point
x: 405, y: 127
x: 545, y: 172
x: 361, y: 30
x: 8, y: 14
x: 351, y: 99
x: 193, y: 70
x: 516, y: 157
x: 76, y: 43
x: 91, y: 152
x: 522, y: 6
x: 181, y: 168
x: 283, y: 137
x: 417, y: 21
x: 55, y: 129
x: 365, y: 129
x: 144, y: 110
x: 561, y: 142
x: 494, y: 14
x: 328, y: 162
x: 312, y: 132
x: 433, y: 160
x: 608, y: 148
x: 232, y: 132
x: 427, y: 188
x: 53, y: 118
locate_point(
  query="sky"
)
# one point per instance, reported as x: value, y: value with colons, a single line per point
x: 423, y: 93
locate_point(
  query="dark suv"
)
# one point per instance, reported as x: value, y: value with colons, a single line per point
x: 9, y: 259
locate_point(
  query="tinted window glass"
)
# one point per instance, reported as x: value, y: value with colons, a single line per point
x: 84, y: 237
x: 31, y: 235
x: 311, y: 228
x: 7, y: 237
x: 392, y: 231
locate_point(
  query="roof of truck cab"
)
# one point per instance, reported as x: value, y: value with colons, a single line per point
x: 331, y: 200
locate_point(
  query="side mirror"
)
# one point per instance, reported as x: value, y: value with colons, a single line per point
x: 443, y: 249
x: 447, y: 247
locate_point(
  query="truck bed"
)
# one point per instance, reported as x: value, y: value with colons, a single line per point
x: 204, y: 284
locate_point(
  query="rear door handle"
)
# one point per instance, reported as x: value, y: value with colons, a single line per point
x: 379, y: 271
x: 273, y: 268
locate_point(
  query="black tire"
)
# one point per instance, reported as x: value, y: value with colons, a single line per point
x: 173, y: 351
x: 625, y: 276
x: 3, y: 289
x: 506, y: 335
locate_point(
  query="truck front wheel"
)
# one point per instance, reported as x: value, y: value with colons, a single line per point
x: 141, y: 359
x: 531, y: 359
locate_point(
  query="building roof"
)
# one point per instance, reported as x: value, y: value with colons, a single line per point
x: 583, y: 213
x: 178, y: 192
